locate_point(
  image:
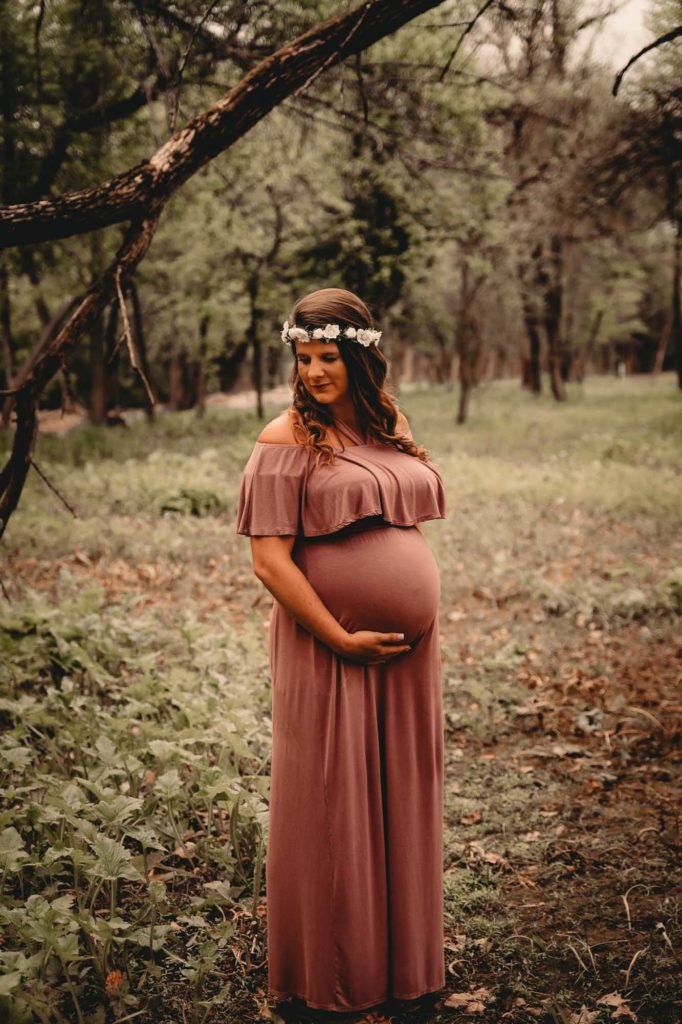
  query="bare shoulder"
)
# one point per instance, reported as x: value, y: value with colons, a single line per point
x: 280, y: 430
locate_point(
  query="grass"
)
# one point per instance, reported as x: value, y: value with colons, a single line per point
x: 134, y: 705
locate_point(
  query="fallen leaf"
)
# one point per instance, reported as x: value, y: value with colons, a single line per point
x: 621, y: 1008
x: 583, y: 1016
x: 471, y: 1002
x: 471, y: 819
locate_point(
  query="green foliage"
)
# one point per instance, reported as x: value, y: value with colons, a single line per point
x: 127, y: 743
x: 192, y: 503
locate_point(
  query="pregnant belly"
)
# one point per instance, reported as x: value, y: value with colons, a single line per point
x: 384, y: 579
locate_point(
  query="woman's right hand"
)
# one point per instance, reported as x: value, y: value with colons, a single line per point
x: 372, y: 648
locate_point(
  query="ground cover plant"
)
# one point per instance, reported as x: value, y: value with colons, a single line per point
x: 135, y: 728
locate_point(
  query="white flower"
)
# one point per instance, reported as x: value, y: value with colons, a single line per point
x: 364, y: 336
x: 368, y: 337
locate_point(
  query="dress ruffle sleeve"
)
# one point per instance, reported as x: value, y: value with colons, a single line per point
x: 271, y: 490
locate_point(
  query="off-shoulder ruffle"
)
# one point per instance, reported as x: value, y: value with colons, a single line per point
x: 284, y: 493
x: 271, y: 490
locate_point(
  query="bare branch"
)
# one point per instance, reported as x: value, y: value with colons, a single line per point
x: 39, y: 58
x: 128, y: 195
x: 466, y: 32
x: 54, y: 489
x: 667, y: 37
x: 132, y: 350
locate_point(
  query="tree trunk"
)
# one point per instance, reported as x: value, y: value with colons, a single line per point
x: 273, y: 361
x: 663, y: 340
x: 531, y: 376
x: 46, y: 337
x: 676, y: 308
x: 553, y: 310
x: 182, y: 379
x: 468, y: 342
x: 6, y: 323
x: 68, y: 403
x: 112, y: 360
x: 675, y: 217
x: 253, y: 338
x: 589, y: 347
x: 201, y: 368
x: 141, y: 345
x: 98, y: 386
x: 229, y: 367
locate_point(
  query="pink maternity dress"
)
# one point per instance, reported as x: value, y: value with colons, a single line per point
x: 354, y: 862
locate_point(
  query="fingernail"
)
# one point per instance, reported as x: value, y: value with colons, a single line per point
x: 401, y: 636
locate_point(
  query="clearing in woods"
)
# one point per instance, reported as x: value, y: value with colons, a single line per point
x: 561, y: 569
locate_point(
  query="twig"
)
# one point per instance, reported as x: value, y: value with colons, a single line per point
x: 637, y: 885
x: 632, y: 964
x: 132, y: 351
x: 183, y: 65
x: 466, y: 32
x: 4, y: 590
x: 647, y: 714
x: 577, y: 956
x: 667, y: 37
x: 54, y: 489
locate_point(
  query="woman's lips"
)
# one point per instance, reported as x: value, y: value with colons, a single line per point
x: 320, y: 387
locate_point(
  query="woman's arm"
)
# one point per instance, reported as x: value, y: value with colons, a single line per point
x: 275, y: 568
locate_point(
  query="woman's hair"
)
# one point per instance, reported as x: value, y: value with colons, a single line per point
x: 376, y: 409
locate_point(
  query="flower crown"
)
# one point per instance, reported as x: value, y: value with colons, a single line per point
x: 363, y: 335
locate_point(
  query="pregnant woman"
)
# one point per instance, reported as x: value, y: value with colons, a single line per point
x: 331, y: 497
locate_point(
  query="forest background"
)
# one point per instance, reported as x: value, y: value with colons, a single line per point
x: 517, y: 231
x: 500, y: 210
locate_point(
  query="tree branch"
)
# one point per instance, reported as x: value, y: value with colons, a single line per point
x: 467, y: 30
x: 667, y: 37
x: 128, y: 195
x: 141, y: 193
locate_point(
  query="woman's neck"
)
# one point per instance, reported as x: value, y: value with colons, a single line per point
x: 345, y: 411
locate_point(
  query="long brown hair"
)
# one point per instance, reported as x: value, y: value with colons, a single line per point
x: 376, y: 409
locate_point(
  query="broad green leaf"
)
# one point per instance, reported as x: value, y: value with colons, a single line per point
x: 12, y: 852
x: 168, y: 785
x: 8, y: 982
x: 113, y: 860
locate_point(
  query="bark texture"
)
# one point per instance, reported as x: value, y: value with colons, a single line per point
x: 129, y: 195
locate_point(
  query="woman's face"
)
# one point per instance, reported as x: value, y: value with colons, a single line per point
x: 322, y: 370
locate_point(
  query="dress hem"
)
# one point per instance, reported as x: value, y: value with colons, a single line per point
x: 362, y: 1006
